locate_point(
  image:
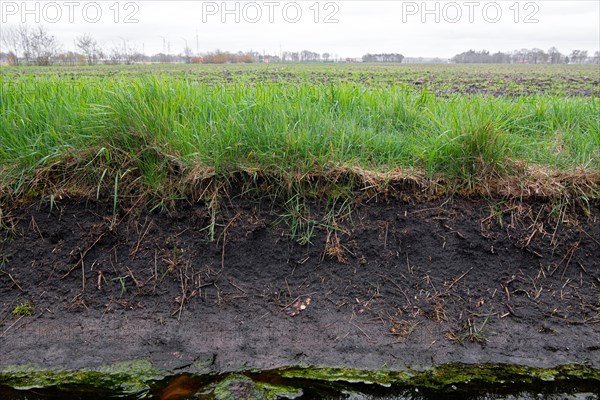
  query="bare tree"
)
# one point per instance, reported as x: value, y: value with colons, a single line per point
x: 89, y: 47
x: 39, y: 46
x: 555, y: 56
x: 14, y: 40
x: 34, y: 45
x: 500, y: 57
x: 124, y: 53
x: 115, y: 55
x: 578, y: 56
x: 537, y: 56
x: 187, y: 54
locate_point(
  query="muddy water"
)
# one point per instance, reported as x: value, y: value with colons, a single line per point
x: 270, y: 385
x: 76, y: 394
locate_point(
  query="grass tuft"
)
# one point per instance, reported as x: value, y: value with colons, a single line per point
x: 476, y: 153
x: 23, y: 310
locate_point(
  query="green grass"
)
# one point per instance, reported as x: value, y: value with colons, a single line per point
x: 23, y: 310
x: 149, y: 128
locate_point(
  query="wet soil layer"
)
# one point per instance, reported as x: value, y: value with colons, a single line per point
x: 391, y: 285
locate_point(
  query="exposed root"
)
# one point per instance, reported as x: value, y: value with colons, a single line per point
x: 334, y: 249
x: 111, y: 174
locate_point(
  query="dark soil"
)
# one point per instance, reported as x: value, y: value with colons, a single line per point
x: 442, y: 79
x: 396, y: 286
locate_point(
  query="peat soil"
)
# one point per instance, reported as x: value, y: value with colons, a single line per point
x: 396, y: 285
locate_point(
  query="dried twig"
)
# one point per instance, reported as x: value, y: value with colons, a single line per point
x: 362, y: 330
x: 83, y: 254
x: 13, y: 324
x: 13, y: 280
x: 134, y: 252
x: 454, y: 282
x: 398, y: 286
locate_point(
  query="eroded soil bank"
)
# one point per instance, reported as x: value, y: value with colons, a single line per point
x: 383, y: 285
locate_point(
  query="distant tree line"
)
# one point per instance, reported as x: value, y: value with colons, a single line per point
x: 386, y: 57
x: 36, y: 46
x: 219, y: 57
x: 305, y: 56
x: 24, y: 45
x: 526, y: 56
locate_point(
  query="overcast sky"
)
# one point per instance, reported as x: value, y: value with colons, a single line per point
x: 348, y: 28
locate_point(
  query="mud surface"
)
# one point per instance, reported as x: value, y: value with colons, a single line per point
x: 394, y: 286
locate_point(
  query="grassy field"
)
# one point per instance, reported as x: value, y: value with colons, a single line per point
x: 499, y: 79
x: 156, y: 127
